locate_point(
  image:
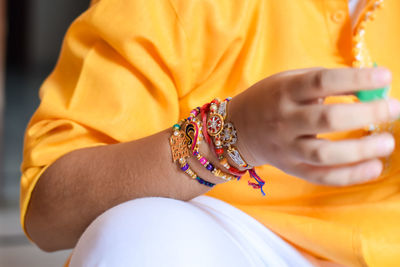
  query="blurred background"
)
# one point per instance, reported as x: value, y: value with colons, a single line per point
x: 31, y: 34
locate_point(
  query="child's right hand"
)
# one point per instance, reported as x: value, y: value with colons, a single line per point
x: 278, y: 118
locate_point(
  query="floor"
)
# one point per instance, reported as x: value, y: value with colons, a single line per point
x: 21, y: 101
x: 17, y: 251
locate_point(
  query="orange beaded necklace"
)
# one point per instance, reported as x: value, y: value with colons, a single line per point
x: 361, y: 56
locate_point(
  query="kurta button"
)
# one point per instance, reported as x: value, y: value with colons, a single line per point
x: 338, y: 16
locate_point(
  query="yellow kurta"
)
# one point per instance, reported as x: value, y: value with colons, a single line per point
x: 130, y: 68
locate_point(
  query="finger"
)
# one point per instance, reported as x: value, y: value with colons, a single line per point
x: 326, y: 82
x: 298, y: 71
x: 315, y: 119
x: 323, y: 152
x: 343, y: 175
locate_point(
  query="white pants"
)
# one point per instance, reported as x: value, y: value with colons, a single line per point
x: 166, y: 232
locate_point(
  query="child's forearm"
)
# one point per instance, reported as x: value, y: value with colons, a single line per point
x: 84, y: 183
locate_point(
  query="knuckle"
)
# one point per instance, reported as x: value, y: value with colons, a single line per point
x: 318, y: 155
x: 302, y: 118
x: 281, y: 103
x: 320, y: 80
x: 323, y: 119
x: 298, y: 120
x: 284, y: 108
x: 327, y: 119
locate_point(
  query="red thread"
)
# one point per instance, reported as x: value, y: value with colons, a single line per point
x: 203, y: 111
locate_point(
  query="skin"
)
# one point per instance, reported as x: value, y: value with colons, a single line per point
x: 281, y: 124
x: 279, y: 127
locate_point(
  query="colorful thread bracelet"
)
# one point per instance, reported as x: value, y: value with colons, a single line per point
x: 205, y: 162
x: 186, y: 169
x: 215, y: 125
x: 219, y: 153
x: 194, y: 137
x: 186, y: 143
x: 180, y: 152
x: 228, y: 138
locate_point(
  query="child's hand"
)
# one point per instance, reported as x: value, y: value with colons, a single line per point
x: 278, y: 119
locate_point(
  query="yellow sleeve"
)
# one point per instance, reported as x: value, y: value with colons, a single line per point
x: 92, y: 2
x: 131, y: 68
x: 117, y: 79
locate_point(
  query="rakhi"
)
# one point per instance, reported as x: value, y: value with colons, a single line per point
x: 215, y: 125
x: 180, y: 152
x: 222, y: 160
x: 228, y: 138
x: 194, y: 137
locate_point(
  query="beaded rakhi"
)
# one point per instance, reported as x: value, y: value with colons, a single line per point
x: 194, y: 137
x: 180, y: 152
x: 216, y: 107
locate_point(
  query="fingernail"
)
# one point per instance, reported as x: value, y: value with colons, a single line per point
x: 381, y: 76
x: 394, y: 108
x: 386, y: 145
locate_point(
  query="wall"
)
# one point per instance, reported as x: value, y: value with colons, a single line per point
x: 48, y: 21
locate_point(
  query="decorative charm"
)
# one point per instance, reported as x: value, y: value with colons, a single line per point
x: 179, y: 147
x: 190, y: 132
x: 222, y: 109
x: 235, y: 156
x: 215, y: 123
x: 228, y: 135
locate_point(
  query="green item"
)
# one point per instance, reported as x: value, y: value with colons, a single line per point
x: 371, y: 95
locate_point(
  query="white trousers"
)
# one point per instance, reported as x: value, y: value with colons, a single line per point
x: 166, y: 232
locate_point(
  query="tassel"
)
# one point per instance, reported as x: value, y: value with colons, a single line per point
x: 260, y: 182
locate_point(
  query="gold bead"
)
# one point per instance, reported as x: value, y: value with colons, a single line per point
x: 357, y: 38
x: 373, y: 16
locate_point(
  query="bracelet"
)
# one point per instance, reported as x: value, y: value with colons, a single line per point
x: 223, y: 161
x: 194, y: 136
x: 229, y: 139
x: 218, y: 126
x: 215, y: 124
x: 180, y: 151
x: 185, y: 142
x: 186, y: 168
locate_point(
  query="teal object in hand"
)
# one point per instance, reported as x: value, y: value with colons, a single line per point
x: 371, y: 95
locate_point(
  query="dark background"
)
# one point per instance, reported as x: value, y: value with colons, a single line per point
x: 34, y: 34
x: 34, y: 31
